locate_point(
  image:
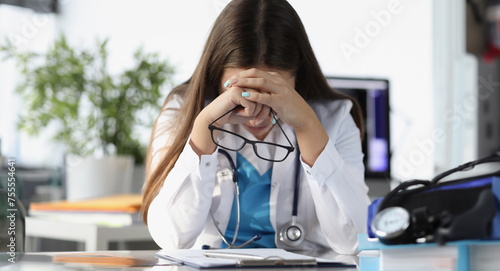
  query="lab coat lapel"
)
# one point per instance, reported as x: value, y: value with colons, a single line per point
x: 281, y: 199
x: 223, y: 193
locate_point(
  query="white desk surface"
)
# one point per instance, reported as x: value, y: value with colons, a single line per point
x: 94, y: 237
x: 43, y: 262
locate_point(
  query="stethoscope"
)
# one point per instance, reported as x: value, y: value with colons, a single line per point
x: 291, y: 234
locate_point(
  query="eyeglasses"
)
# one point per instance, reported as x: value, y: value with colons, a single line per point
x: 277, y: 153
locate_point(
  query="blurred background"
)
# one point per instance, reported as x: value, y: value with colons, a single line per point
x: 438, y: 57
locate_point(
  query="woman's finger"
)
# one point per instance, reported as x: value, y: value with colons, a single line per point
x: 258, y: 97
x: 264, y: 114
x: 273, y: 82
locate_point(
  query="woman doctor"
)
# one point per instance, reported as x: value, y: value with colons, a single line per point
x: 255, y: 149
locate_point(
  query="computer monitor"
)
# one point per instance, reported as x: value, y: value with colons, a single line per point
x: 373, y: 97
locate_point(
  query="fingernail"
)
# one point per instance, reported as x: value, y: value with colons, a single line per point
x: 245, y: 94
x: 230, y: 82
x: 274, y: 120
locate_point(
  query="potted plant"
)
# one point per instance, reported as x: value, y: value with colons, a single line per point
x: 94, y: 113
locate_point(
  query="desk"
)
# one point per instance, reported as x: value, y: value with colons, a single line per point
x: 43, y: 261
x: 94, y: 237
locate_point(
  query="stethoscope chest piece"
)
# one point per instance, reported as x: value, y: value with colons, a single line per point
x: 292, y: 234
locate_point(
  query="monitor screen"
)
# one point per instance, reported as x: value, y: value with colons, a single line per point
x: 373, y: 97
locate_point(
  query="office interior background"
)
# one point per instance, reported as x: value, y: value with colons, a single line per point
x: 430, y: 51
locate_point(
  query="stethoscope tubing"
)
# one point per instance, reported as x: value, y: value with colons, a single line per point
x: 296, y: 185
x: 237, y: 195
x: 235, y: 182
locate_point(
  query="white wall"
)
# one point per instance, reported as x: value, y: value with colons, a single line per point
x: 28, y: 31
x: 397, y: 47
x: 456, y: 85
x: 382, y: 38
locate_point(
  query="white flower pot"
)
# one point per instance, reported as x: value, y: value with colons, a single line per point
x: 138, y: 179
x: 90, y: 177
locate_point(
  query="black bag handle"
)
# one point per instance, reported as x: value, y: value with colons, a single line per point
x: 402, y: 186
x: 467, y: 166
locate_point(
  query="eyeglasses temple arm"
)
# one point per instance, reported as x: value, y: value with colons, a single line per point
x: 289, y: 142
x: 224, y: 115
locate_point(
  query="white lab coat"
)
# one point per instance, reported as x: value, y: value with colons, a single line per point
x: 333, y: 196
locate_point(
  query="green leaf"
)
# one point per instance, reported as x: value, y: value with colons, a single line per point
x: 73, y: 89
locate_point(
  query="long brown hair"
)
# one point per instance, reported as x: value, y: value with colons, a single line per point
x: 247, y: 33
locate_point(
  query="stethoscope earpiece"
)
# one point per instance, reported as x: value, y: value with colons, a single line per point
x: 206, y: 247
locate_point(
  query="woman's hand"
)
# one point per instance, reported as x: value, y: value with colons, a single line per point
x: 277, y: 91
x: 230, y: 97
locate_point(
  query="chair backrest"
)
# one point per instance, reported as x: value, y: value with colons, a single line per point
x: 12, y: 223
